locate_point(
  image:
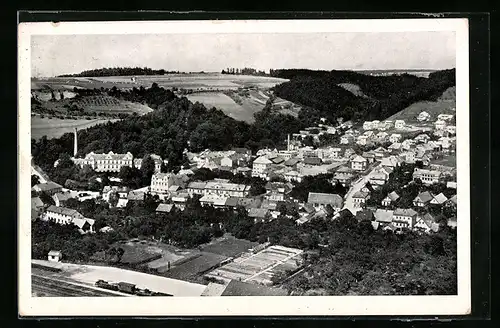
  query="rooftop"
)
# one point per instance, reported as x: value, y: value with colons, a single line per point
x: 239, y: 288
x: 165, y: 208
x: 323, y: 198
x: 405, y: 212
x: 62, y: 210
x: 47, y: 186
x: 383, y: 215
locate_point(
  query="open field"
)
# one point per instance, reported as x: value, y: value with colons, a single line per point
x: 229, y: 246
x: 193, y: 268
x: 224, y: 103
x: 55, y: 128
x: 154, y: 255
x: 354, y: 89
x: 197, y: 82
x: 259, y: 268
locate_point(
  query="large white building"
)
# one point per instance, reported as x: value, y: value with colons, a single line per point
x: 427, y: 176
x: 219, y: 187
x: 162, y: 183
x: 260, y: 165
x: 109, y: 162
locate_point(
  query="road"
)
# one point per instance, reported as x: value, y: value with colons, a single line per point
x: 50, y: 286
x: 357, y: 185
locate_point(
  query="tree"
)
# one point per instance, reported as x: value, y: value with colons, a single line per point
x: 34, y: 180
x: 147, y: 168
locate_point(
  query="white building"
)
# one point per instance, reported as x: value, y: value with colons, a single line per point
x: 440, y: 125
x: 367, y: 125
x: 395, y: 137
x: 404, y: 218
x: 63, y: 215
x: 423, y: 116
x: 399, y: 124
x: 359, y: 163
x: 109, y: 162
x: 362, y: 140
x: 218, y: 187
x: 260, y: 165
x: 427, y: 176
x: 162, y: 183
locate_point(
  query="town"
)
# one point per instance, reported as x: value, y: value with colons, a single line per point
x: 395, y: 175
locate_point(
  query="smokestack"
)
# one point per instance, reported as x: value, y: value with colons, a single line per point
x: 288, y: 144
x: 75, y: 147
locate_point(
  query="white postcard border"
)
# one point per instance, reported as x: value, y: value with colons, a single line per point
x: 233, y: 306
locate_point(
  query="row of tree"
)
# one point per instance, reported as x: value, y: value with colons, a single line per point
x: 120, y: 71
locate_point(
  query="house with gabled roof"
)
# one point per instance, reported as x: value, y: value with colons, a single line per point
x: 390, y: 162
x: 395, y: 137
x: 320, y: 200
x: 390, y: 198
x: 422, y: 199
x: 164, y: 208
x: 439, y: 199
x: 359, y: 163
x: 49, y: 187
x: 426, y: 223
x: 383, y: 217
x: 365, y: 215
x: 404, y: 218
x: 395, y: 147
x: 360, y: 198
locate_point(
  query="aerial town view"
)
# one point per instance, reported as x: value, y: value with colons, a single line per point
x: 243, y: 170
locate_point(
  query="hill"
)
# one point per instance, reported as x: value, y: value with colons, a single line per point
x: 320, y: 94
x: 445, y: 104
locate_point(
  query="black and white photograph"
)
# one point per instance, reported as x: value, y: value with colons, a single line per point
x: 302, y: 167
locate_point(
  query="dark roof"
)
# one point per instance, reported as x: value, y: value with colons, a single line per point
x: 424, y: 197
x: 62, y: 210
x: 312, y: 161
x: 239, y: 288
x: 48, y: 186
x: 277, y: 160
x: 322, y: 198
x: 360, y: 194
x: 365, y: 214
x: 36, y: 202
x: 292, y: 161
x: 232, y: 201
x: 62, y: 196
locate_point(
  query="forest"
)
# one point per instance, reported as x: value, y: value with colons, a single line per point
x: 322, y: 96
x: 120, y: 71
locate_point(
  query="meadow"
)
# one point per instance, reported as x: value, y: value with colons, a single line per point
x: 55, y: 128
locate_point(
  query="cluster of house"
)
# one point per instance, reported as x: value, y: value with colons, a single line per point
x: 58, y: 213
x: 408, y: 218
x: 315, y: 132
x: 221, y: 193
x: 236, y: 160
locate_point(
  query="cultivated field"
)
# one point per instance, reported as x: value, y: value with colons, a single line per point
x: 259, y: 268
x: 196, y: 81
x: 193, y: 268
x: 55, y: 128
x: 224, y: 103
x: 229, y: 246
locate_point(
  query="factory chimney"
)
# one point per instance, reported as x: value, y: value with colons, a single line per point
x: 75, y: 147
x: 288, y: 143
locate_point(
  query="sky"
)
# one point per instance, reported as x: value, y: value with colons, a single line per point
x: 53, y: 55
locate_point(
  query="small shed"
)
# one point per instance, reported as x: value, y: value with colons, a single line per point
x: 55, y: 256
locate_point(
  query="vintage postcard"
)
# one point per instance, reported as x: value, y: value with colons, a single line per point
x: 291, y: 167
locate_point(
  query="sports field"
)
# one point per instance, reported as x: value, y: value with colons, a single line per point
x: 259, y: 268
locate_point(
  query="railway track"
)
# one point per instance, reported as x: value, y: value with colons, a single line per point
x: 50, y: 287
